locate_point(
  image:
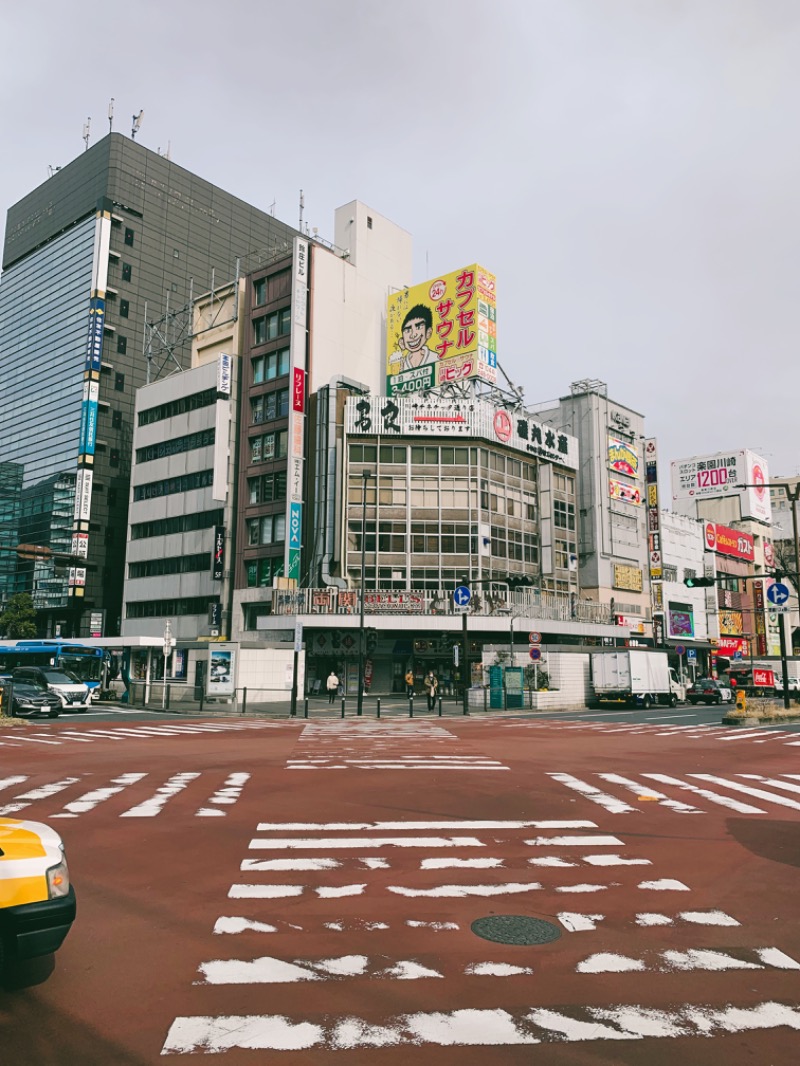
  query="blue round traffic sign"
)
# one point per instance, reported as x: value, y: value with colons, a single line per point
x: 680, y: 650
x: 462, y: 596
x: 535, y: 654
x: 778, y: 593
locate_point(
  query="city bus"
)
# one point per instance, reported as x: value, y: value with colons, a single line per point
x: 92, y: 666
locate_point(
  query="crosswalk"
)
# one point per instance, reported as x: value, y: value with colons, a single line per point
x: 385, y: 745
x: 668, y: 726
x: 743, y: 793
x: 60, y: 736
x: 402, y: 897
x: 152, y: 794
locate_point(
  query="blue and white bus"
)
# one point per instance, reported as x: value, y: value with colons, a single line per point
x: 92, y: 666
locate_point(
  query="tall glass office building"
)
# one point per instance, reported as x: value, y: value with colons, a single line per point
x: 117, y: 237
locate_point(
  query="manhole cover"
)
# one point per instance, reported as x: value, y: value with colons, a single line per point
x: 515, y: 929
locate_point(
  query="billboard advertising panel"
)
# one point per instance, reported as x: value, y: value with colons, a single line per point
x: 727, y: 541
x: 743, y: 474
x: 442, y: 331
x: 623, y: 457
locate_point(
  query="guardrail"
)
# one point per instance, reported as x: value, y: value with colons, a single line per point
x: 532, y: 604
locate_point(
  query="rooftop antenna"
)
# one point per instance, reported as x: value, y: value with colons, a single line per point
x: 111, y: 115
x: 272, y: 208
x: 137, y: 122
x: 302, y: 205
x: 86, y: 127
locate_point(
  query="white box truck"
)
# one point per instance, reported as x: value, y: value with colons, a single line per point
x: 637, y: 678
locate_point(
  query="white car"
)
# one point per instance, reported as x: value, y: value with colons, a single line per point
x: 74, y: 695
x: 793, y: 684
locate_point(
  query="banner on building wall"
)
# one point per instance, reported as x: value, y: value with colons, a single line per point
x: 743, y: 474
x: 726, y: 541
x: 297, y: 419
x: 654, y: 531
x: 442, y: 331
x: 621, y: 490
x: 680, y: 619
x: 731, y: 623
x: 627, y: 577
x: 218, y: 560
x: 448, y: 417
x: 623, y: 457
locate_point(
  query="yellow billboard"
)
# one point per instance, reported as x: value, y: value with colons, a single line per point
x: 442, y: 331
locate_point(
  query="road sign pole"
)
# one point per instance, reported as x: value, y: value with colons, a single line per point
x: 465, y: 667
x: 784, y: 665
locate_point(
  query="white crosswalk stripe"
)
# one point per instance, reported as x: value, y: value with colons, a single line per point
x: 385, y: 745
x: 60, y: 735
x: 248, y: 962
x: 720, y: 796
x: 227, y: 792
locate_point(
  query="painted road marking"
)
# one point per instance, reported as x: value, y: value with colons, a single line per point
x: 758, y: 793
x: 235, y: 924
x: 596, y: 795
x: 329, y: 827
x: 289, y: 843
x: 691, y: 959
x: 633, y: 786
x: 89, y: 800
x: 470, y: 1028
x: 9, y: 782
x: 694, y: 917
x: 225, y: 796
x: 25, y: 799
x: 723, y: 801
x: 151, y: 807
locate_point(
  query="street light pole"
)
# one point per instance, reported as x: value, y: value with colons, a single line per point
x: 366, y: 474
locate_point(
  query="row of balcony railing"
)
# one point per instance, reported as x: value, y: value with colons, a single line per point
x: 522, y: 603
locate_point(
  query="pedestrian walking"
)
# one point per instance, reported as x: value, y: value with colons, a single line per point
x: 332, y: 686
x: 409, y: 682
x: 431, y: 684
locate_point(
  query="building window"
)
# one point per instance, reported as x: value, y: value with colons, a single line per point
x: 116, y: 419
x: 178, y: 407
x: 562, y: 552
x: 260, y: 572
x: 112, y: 497
x: 268, y: 529
x: 129, y: 237
x: 184, y: 523
x: 267, y: 488
x: 170, y: 486
x: 369, y: 221
x: 204, y: 438
x: 113, y: 457
x: 170, y: 608
x: 564, y: 515
x: 127, y: 272
x: 119, y: 382
x: 562, y: 483
x: 271, y: 366
x: 269, y: 446
x: 269, y: 406
x: 176, y: 564
x: 270, y: 327
x: 260, y: 292
x: 122, y: 344
x: 124, y: 308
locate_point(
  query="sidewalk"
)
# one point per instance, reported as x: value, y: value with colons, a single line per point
x: 315, y: 707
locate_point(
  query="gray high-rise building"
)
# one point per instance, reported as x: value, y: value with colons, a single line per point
x: 98, y: 263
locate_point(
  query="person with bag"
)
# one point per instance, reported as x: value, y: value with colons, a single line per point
x: 332, y: 686
x: 431, y: 687
x: 409, y: 682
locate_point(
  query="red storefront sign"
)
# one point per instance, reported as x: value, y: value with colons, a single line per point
x: 726, y: 541
x: 298, y: 389
x: 728, y: 646
x: 764, y: 678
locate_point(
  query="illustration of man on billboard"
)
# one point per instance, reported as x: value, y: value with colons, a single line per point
x: 413, y: 350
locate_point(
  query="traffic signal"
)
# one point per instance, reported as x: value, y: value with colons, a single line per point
x: 699, y: 582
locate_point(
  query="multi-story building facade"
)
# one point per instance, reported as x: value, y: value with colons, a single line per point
x: 93, y: 260
x: 609, y: 534
x: 183, y: 504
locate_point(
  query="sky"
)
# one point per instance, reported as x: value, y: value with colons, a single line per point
x: 629, y: 169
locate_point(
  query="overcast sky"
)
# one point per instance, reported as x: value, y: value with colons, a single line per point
x: 630, y: 169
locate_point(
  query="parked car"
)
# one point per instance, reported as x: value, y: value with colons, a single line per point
x: 30, y: 701
x: 708, y: 690
x: 74, y: 695
x: 37, y: 901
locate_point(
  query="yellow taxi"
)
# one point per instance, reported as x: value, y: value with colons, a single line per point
x: 37, y: 901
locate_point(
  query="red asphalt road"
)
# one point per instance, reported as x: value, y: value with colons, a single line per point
x: 150, y: 891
